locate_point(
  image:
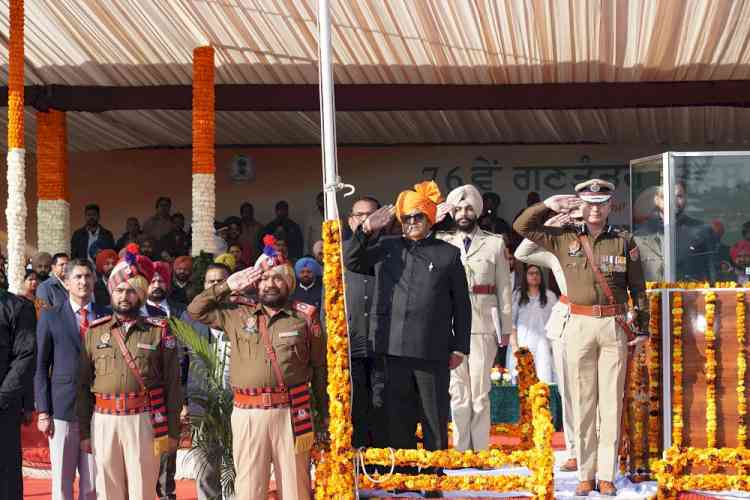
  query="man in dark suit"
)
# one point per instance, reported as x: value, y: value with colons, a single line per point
x: 18, y: 345
x: 368, y: 378
x: 59, y: 335
x: 52, y: 290
x: 91, y: 233
x: 421, y: 314
x: 158, y: 305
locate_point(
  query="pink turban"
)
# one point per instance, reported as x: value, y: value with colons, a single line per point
x: 136, y: 269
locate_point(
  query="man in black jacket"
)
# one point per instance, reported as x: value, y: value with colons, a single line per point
x: 421, y: 314
x: 368, y: 378
x: 17, y: 356
x: 91, y: 233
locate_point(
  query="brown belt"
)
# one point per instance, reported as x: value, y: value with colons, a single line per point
x: 595, y: 311
x: 260, y: 400
x: 121, y: 404
x: 483, y: 289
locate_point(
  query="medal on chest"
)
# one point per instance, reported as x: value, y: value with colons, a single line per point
x: 574, y: 249
x: 251, y: 325
x: 104, y: 341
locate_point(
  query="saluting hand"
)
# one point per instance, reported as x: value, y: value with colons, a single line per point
x: 379, y: 219
x: 444, y: 209
x: 242, y: 280
x: 563, y: 203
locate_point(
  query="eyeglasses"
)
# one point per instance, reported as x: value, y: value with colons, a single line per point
x: 413, y: 219
x: 361, y: 215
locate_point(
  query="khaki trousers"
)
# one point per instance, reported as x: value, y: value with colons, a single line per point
x: 596, y: 352
x: 561, y: 367
x: 126, y: 467
x: 261, y: 437
x: 470, y: 394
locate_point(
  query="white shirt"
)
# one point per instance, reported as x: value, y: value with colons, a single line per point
x: 92, y: 239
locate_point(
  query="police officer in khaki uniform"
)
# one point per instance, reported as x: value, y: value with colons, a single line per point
x: 130, y: 395
x: 277, y: 350
x: 529, y: 252
x: 601, y: 265
x: 488, y: 277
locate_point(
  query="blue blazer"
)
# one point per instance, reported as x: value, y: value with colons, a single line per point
x: 52, y: 292
x: 58, y: 353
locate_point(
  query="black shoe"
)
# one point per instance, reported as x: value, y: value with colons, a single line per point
x: 432, y: 494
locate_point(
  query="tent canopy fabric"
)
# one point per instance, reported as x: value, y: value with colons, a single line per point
x: 150, y: 42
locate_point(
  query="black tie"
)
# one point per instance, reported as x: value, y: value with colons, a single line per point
x: 156, y: 311
x: 467, y: 243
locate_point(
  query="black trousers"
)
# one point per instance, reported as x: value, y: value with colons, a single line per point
x: 11, y: 478
x: 416, y: 390
x: 368, y: 419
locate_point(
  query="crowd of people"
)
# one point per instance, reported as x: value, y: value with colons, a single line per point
x: 437, y: 293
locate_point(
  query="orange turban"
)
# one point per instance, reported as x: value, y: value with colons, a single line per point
x: 101, y: 259
x: 424, y: 199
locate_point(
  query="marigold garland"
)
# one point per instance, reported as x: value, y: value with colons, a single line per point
x: 741, y: 371
x: 203, y: 111
x: 51, y: 155
x: 654, y: 376
x: 204, y: 182
x: 53, y: 209
x: 338, y: 474
x: 526, y: 379
x: 539, y: 459
x: 16, y: 173
x: 677, y: 313
x: 15, y: 76
x: 710, y: 369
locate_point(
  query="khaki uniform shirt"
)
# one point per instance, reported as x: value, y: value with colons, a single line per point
x: 103, y: 369
x: 295, y: 335
x: 485, y: 265
x: 615, y: 252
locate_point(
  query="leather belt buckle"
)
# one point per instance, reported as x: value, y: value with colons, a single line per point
x: 266, y: 398
x: 596, y: 311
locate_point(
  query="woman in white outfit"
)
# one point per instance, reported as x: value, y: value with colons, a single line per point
x: 532, y: 306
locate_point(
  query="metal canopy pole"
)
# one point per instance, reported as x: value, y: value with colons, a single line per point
x: 327, y: 113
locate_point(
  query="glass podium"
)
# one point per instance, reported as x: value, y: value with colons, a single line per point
x: 690, y: 216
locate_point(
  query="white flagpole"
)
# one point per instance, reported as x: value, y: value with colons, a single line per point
x: 327, y: 112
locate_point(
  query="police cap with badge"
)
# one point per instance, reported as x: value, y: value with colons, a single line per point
x: 595, y: 191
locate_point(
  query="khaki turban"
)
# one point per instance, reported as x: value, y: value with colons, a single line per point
x: 468, y: 193
x: 423, y: 199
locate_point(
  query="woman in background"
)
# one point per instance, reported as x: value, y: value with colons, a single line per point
x: 532, y: 306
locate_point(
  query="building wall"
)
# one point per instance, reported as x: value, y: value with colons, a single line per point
x: 127, y: 183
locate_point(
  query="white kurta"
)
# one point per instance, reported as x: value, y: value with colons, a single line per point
x: 530, y: 322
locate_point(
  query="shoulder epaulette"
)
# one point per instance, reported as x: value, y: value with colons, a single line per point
x: 100, y: 321
x: 490, y: 234
x: 304, y: 308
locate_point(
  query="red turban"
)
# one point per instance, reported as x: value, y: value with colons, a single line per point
x: 102, y: 257
x: 742, y: 247
x: 423, y: 199
x: 164, y: 270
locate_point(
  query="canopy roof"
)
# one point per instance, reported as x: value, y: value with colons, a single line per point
x: 417, y: 42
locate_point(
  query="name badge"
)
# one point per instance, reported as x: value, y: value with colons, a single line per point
x: 288, y: 334
x: 147, y: 347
